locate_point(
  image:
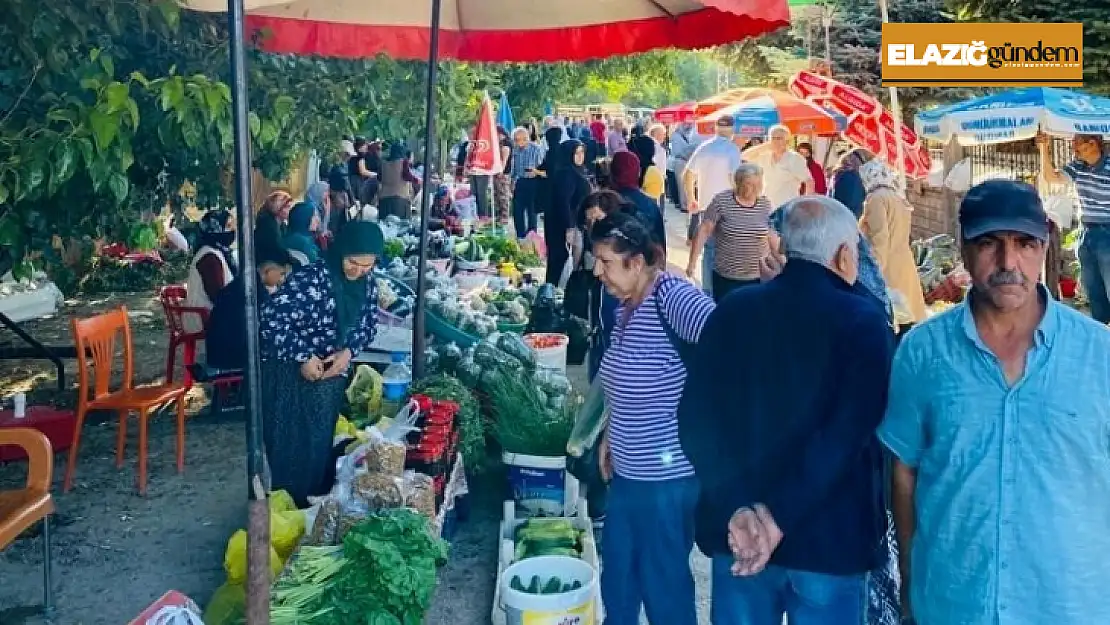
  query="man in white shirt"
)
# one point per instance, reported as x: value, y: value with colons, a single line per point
x: 658, y: 134
x: 709, y: 172
x: 784, y: 170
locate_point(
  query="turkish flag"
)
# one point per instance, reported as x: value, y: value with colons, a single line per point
x: 483, y: 157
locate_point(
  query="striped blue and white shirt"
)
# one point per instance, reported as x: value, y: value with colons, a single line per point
x: 1092, y: 185
x: 643, y: 377
x: 525, y: 158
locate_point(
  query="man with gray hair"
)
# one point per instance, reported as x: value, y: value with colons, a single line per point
x: 783, y: 443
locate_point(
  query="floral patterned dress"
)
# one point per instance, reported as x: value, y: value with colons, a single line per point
x: 298, y: 322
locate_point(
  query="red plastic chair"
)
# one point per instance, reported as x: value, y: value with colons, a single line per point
x: 173, y: 303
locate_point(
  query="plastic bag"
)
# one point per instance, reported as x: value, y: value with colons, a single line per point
x: 385, y: 456
x: 235, y: 558
x: 378, y: 490
x: 227, y: 605
x: 281, y: 501
x: 286, y: 530
x: 568, y: 268
x: 419, y: 493
x: 364, y: 393
x: 589, y: 422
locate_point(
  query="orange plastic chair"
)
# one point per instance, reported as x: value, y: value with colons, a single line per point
x: 95, y: 337
x: 173, y: 304
x: 21, y: 509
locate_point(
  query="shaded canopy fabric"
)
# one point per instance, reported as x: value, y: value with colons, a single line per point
x: 503, y: 30
x: 757, y: 112
x: 675, y: 113
x: 1016, y: 114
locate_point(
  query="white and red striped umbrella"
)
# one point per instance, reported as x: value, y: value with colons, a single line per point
x: 503, y: 30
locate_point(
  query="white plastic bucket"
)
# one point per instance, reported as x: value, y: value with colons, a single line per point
x: 575, y: 607
x: 554, y: 358
x: 541, y: 485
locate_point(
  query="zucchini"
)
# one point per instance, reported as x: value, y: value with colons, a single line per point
x: 542, y: 543
x: 555, y: 551
x: 516, y: 584
x: 576, y: 585
x: 553, y: 586
x: 534, y: 585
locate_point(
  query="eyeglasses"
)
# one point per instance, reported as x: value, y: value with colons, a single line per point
x: 354, y: 263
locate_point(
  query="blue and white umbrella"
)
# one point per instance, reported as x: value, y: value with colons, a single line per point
x: 1017, y: 114
x: 505, y: 113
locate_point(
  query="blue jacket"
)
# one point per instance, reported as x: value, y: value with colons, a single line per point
x: 786, y: 388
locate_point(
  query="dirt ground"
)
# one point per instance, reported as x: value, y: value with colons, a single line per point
x: 116, y: 552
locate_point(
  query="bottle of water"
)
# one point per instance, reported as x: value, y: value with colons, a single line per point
x: 395, y: 384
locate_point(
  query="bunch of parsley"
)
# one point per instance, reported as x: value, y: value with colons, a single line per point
x: 390, y: 571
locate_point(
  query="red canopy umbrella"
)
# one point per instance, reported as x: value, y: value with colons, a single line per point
x: 870, y: 126
x: 503, y: 30
x: 676, y: 113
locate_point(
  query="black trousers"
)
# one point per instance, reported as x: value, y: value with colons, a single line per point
x: 525, y: 216
x: 555, y: 236
x: 722, y: 286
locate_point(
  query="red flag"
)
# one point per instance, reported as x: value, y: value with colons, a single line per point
x: 483, y: 158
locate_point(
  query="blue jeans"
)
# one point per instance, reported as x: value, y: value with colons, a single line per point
x: 645, y: 552
x: 1094, y: 263
x: 806, y: 598
x: 708, y: 258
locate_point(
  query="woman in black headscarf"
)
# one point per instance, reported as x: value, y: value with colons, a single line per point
x: 569, y: 187
x: 311, y: 327
x: 546, y: 170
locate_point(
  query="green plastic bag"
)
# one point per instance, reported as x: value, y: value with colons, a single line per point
x: 227, y: 605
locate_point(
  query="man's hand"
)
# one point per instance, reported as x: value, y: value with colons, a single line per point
x: 691, y: 269
x: 337, y: 363
x: 1041, y: 140
x: 604, y: 460
x: 691, y: 205
x: 753, y: 536
x: 745, y: 539
x: 312, y: 369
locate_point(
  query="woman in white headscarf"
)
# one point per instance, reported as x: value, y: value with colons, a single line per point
x: 886, y: 224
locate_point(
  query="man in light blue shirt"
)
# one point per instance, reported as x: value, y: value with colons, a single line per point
x: 999, y: 418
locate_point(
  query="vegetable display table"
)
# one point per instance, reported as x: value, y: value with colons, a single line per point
x: 56, y: 424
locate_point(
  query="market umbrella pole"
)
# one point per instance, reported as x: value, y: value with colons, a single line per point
x: 896, y: 111
x: 258, y: 511
x: 418, y: 337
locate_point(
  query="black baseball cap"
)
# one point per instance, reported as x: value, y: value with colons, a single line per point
x: 726, y: 121
x: 1002, y: 206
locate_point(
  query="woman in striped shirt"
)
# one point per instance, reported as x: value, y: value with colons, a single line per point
x: 737, y: 219
x: 649, y: 526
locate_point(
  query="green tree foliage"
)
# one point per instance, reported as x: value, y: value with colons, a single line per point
x: 855, y: 36
x: 1094, y: 15
x: 107, y: 106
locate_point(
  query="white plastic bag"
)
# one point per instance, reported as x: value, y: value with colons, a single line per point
x: 568, y: 268
x: 959, y: 179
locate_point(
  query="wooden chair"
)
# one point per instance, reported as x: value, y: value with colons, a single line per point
x: 95, y: 337
x: 21, y: 509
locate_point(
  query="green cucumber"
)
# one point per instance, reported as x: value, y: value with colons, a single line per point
x: 553, y: 586
x: 534, y: 586
x: 516, y: 584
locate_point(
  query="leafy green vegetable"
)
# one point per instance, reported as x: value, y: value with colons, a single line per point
x: 523, y: 422
x: 393, y: 248
x: 391, y: 572
x: 472, y: 427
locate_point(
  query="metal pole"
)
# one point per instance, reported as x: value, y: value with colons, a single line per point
x: 418, y: 338
x: 896, y: 112
x: 258, y: 512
